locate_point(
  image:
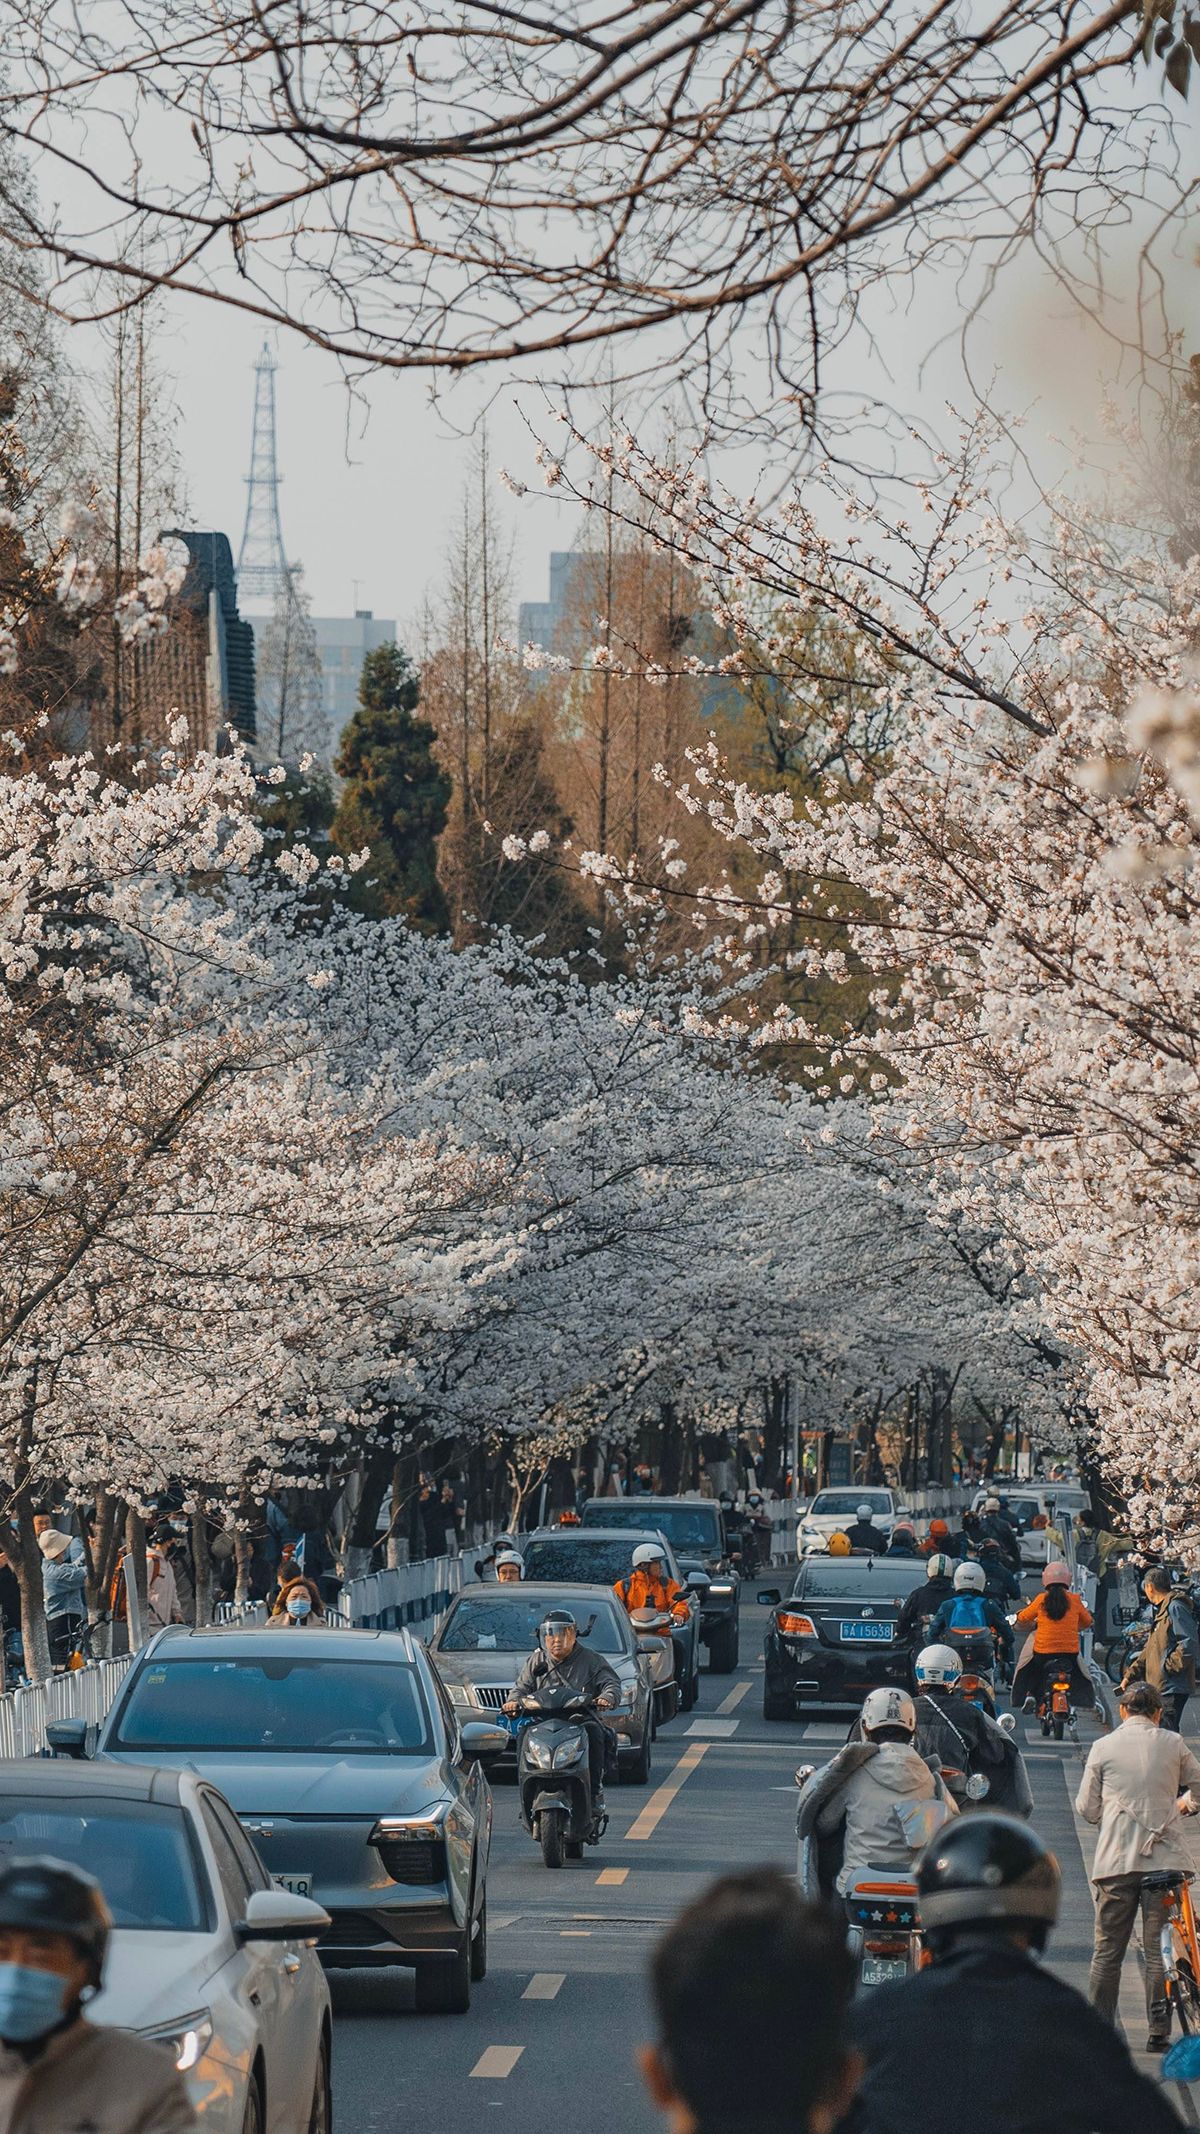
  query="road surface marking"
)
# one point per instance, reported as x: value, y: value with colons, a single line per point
x: 612, y: 1875
x: 660, y: 1800
x: 732, y: 1701
x: 714, y: 1729
x: 498, y: 2061
x: 543, y: 1986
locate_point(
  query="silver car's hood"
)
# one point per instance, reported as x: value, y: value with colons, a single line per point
x: 155, y: 1978
x: 323, y: 1785
x: 502, y: 1668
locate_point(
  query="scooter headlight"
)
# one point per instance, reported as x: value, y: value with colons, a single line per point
x: 569, y: 1752
x: 537, y: 1754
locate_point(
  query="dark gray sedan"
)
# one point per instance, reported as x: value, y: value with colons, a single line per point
x: 344, y: 1758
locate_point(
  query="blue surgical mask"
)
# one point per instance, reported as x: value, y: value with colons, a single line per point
x: 299, y: 1605
x: 31, y: 2002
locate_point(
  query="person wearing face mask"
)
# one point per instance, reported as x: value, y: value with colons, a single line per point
x: 299, y: 1604
x: 60, y: 2074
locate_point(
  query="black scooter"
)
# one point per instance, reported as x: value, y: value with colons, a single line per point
x: 554, y: 1777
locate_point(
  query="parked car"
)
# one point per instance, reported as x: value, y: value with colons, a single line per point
x: 599, y: 1556
x: 490, y: 1632
x: 208, y: 1958
x: 834, y: 1637
x: 833, y: 1510
x: 695, y: 1529
x: 344, y: 1757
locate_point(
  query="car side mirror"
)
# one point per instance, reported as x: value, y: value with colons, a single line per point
x: 697, y: 1582
x: 280, y: 1915
x: 769, y: 1597
x: 1008, y: 1720
x: 67, y: 1737
x: 480, y: 1738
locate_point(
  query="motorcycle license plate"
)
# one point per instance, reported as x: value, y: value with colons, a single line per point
x: 880, y: 1970
x: 299, y: 1885
x: 866, y: 1633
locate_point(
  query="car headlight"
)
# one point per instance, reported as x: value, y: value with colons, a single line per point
x: 625, y: 1700
x: 569, y: 1752
x: 721, y: 1589
x: 537, y: 1753
x: 187, y: 2041
x: 459, y: 1695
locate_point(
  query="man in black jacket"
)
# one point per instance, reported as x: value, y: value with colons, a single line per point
x: 1015, y: 2050
x: 1001, y: 1584
x: 561, y: 1662
x: 864, y: 1535
x: 922, y: 1604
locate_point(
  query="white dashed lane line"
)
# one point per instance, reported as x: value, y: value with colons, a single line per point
x: 543, y: 1986
x: 714, y: 1729
x: 497, y: 2062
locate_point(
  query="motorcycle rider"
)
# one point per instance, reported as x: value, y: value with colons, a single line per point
x: 995, y: 1524
x: 903, y: 1541
x: 648, y: 1585
x: 1000, y: 1583
x: 878, y: 1796
x: 1014, y: 2047
x: 922, y: 1604
x: 1056, y: 1616
x: 561, y: 1662
x: 970, y: 1622
x: 57, y: 2070
x: 953, y: 1734
x: 509, y: 1568
x: 863, y: 1534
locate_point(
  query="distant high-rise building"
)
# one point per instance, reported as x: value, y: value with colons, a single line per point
x: 343, y: 642
x: 541, y: 622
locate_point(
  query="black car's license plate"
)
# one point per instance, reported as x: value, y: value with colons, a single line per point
x: 880, y: 1970
x: 866, y: 1633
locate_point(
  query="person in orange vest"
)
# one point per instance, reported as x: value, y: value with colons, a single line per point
x: 648, y: 1585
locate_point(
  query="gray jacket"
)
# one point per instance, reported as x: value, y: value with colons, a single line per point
x: 89, y: 2080
x: 582, y: 1670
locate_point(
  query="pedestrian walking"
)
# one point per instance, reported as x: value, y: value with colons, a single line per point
x: 1168, y: 1658
x: 1132, y: 1786
x: 750, y: 1987
x: 62, y: 1593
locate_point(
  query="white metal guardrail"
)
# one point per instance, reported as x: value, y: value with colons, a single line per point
x: 398, y: 1600
x: 86, y: 1693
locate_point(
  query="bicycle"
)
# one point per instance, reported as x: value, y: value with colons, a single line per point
x: 1180, y: 1948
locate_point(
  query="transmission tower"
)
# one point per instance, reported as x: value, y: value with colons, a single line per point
x: 262, y: 566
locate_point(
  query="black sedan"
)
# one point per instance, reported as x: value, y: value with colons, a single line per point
x: 834, y: 1637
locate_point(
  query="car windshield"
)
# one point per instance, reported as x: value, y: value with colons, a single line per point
x: 358, y: 1707
x: 859, y: 1578
x: 1022, y: 1507
x: 686, y: 1526
x: 578, y: 1561
x: 844, y: 1503
x: 512, y: 1625
x: 140, y: 1854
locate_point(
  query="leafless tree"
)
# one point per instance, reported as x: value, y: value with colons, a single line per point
x: 469, y: 184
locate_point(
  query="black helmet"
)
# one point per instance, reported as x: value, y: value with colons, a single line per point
x: 557, y: 1619
x: 46, y: 1896
x: 987, y: 1867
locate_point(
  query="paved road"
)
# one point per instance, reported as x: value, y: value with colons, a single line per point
x: 549, y: 2039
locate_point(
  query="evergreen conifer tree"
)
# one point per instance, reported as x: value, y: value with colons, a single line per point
x: 395, y: 795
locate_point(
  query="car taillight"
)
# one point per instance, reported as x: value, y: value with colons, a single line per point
x: 796, y: 1626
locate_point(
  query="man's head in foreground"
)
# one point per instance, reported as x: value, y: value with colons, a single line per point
x: 750, y: 1987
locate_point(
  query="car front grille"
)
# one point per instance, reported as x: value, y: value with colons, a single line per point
x: 493, y: 1695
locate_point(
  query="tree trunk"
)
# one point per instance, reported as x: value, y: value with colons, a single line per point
x: 136, y: 1584
x: 202, y: 1564
x: 27, y: 1563
x: 241, y: 1558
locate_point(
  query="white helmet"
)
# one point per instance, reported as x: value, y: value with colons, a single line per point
x: 647, y: 1552
x: 889, y: 1707
x: 937, y: 1667
x: 863, y: 1511
x: 970, y: 1578
x: 507, y: 1558
x: 991, y: 1504
x: 940, y: 1567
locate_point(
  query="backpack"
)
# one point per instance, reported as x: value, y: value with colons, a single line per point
x: 969, y: 1614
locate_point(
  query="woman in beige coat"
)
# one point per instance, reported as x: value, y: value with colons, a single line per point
x: 1132, y: 1786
